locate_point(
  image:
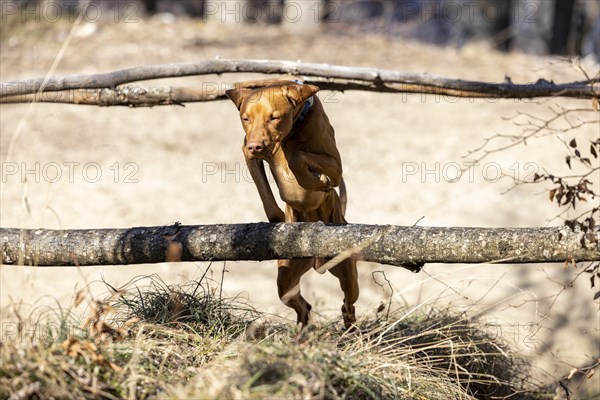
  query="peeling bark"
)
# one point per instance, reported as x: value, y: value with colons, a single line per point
x: 408, y: 247
x: 129, y: 96
x: 327, y: 77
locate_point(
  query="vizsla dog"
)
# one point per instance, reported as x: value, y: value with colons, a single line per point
x: 286, y: 126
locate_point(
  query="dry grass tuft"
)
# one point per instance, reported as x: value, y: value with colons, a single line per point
x: 196, y: 306
x: 432, y: 355
x: 190, y: 342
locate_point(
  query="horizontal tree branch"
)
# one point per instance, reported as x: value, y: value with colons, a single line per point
x: 129, y: 95
x: 328, y: 77
x: 132, y: 95
x: 409, y: 247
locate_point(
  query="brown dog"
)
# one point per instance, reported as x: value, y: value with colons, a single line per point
x: 286, y: 126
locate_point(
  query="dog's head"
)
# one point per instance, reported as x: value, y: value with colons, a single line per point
x: 268, y: 113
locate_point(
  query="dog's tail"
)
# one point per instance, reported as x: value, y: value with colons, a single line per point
x: 343, y: 196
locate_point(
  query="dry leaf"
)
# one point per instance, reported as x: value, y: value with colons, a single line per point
x: 87, y: 322
x: 115, y: 367
x: 79, y: 297
x: 132, y: 321
x: 590, y: 373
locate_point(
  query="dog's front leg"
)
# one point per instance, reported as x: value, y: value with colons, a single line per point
x: 316, y: 171
x: 257, y: 171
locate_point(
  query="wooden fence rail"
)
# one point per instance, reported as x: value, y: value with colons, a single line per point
x: 106, y: 89
x: 408, y: 247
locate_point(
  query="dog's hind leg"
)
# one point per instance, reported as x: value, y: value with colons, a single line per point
x: 288, y: 286
x: 289, y: 273
x: 347, y: 274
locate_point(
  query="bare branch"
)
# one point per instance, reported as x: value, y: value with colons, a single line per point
x: 531, y: 128
x: 129, y: 95
x: 408, y: 247
x: 328, y: 77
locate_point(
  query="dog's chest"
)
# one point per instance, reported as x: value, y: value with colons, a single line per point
x: 290, y: 190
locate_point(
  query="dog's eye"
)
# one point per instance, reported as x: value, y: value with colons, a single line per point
x: 245, y: 119
x: 275, y: 118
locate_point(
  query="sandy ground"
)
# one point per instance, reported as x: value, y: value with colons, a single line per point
x: 169, y: 164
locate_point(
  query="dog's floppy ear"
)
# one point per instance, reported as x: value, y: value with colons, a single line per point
x: 238, y: 95
x: 298, y: 94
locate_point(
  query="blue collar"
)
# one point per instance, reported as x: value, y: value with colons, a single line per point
x: 307, y: 105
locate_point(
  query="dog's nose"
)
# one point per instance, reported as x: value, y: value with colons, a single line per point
x: 255, y: 146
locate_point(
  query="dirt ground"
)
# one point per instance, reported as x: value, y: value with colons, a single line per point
x: 168, y: 164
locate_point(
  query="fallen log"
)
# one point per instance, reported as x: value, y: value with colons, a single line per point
x: 408, y: 247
